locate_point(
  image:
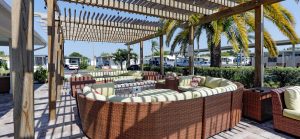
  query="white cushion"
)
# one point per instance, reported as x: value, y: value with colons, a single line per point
x: 212, y: 82
x: 95, y: 96
x: 139, y: 99
x: 292, y: 98
x: 86, y: 89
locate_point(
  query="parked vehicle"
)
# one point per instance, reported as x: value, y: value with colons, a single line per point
x: 134, y: 67
x: 73, y: 66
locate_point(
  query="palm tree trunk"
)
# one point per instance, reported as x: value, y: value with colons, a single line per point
x: 215, y: 55
x: 121, y: 65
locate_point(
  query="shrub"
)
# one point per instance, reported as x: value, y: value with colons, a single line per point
x: 285, y: 76
x: 41, y: 75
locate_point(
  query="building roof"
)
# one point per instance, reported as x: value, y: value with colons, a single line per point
x: 5, y: 27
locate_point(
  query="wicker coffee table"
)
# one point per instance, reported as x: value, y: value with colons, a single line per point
x: 257, y: 104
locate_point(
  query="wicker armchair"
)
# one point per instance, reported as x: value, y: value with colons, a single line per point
x: 281, y: 122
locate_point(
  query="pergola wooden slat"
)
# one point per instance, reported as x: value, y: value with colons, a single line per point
x: 104, y: 28
x: 170, y: 9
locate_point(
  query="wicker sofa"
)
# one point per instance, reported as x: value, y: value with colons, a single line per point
x: 281, y: 119
x: 104, y: 119
x: 162, y: 114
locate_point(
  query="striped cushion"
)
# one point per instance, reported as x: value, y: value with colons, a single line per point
x: 161, y: 81
x: 204, y: 92
x: 173, y: 97
x: 212, y: 82
x: 140, y: 99
x: 107, y: 89
x: 185, y: 80
x: 185, y: 88
x: 155, y: 92
x: 95, y: 96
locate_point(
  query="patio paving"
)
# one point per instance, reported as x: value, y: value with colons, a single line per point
x: 67, y: 123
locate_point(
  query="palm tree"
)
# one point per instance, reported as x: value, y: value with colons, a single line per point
x: 235, y: 28
x: 122, y: 55
x: 154, y: 46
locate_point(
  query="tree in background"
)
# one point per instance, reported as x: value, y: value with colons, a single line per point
x: 105, y: 54
x: 121, y: 55
x: 158, y: 54
x: 2, y: 54
x: 83, y: 60
x: 154, y: 47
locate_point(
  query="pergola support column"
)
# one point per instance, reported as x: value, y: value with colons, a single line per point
x: 58, y: 65
x: 191, y: 51
x: 22, y: 68
x: 161, y: 54
x: 51, y: 59
x: 128, y: 56
x: 142, y: 55
x: 259, y: 44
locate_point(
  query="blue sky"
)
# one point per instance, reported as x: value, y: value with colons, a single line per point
x: 92, y: 48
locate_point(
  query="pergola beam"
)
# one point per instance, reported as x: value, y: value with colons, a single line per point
x: 144, y: 38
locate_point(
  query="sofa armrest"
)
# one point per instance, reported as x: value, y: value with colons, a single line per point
x: 278, y: 101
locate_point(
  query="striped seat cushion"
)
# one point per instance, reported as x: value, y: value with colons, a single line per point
x: 139, y: 99
x: 155, y: 92
x: 172, y: 97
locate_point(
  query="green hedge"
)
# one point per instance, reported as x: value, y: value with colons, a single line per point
x: 274, y: 77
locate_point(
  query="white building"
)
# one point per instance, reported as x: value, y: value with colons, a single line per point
x: 40, y: 61
x: 285, y: 58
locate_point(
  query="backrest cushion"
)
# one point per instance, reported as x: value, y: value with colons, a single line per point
x: 292, y: 98
x: 106, y: 89
x: 95, y: 96
x: 202, y: 79
x: 140, y: 99
x: 212, y: 82
x: 86, y: 89
x: 185, y: 80
x: 173, y: 97
x: 204, y: 92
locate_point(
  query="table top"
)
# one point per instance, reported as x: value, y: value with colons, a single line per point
x: 262, y: 89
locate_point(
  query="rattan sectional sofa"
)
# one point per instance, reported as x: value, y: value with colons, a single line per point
x: 159, y: 113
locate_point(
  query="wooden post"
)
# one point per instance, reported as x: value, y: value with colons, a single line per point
x: 62, y: 65
x: 128, y: 56
x: 259, y: 44
x: 58, y: 62
x: 141, y: 56
x: 161, y: 50
x: 10, y: 64
x: 22, y: 68
x: 191, y: 58
x: 51, y: 59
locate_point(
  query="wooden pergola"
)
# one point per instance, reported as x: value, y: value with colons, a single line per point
x: 89, y: 26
